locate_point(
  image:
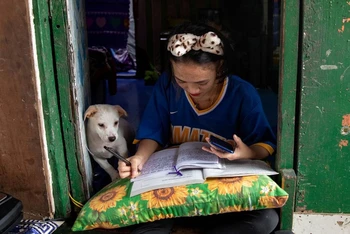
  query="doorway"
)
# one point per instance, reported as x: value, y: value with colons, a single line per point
x: 151, y: 44
x: 252, y: 26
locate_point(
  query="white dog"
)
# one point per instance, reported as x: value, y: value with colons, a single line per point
x: 105, y: 127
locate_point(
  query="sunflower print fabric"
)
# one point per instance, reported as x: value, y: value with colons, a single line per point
x: 112, y: 207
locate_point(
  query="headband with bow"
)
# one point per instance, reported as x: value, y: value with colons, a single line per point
x: 180, y: 44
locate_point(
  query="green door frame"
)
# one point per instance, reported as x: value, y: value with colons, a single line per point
x: 54, y: 66
x: 58, y: 11
x: 323, y: 156
x: 50, y: 24
x: 287, y: 99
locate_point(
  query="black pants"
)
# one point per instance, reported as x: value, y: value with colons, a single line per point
x: 247, y: 222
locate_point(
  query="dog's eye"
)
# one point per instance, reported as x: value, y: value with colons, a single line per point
x: 116, y: 122
x: 101, y: 125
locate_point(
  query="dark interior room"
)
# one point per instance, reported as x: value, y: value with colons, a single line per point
x: 127, y: 42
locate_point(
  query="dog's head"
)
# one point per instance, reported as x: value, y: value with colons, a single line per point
x: 104, y: 121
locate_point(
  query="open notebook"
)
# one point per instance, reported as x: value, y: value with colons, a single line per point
x: 189, y: 164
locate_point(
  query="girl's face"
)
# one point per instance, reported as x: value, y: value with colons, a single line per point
x: 197, y: 80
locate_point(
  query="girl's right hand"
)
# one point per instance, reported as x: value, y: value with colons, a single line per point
x: 131, y: 171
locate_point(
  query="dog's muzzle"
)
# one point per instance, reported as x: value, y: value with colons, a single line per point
x: 111, y: 138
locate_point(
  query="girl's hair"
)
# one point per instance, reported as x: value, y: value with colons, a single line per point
x: 200, y: 57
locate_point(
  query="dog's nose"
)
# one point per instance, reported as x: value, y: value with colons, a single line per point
x: 111, y: 138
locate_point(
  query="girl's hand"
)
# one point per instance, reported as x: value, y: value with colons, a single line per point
x: 242, y: 151
x: 131, y: 171
x: 145, y: 149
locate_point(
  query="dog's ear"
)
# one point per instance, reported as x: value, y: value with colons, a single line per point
x: 121, y: 111
x: 90, y: 112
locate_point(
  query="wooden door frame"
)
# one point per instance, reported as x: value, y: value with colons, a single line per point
x: 287, y: 103
x: 50, y: 24
x: 54, y: 67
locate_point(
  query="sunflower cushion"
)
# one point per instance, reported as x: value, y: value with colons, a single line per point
x: 112, y: 207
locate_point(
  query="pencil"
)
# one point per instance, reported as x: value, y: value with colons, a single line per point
x: 109, y: 149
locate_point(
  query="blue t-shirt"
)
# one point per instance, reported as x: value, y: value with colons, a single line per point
x: 171, y: 117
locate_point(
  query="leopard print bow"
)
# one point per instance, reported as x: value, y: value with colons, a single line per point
x: 180, y: 44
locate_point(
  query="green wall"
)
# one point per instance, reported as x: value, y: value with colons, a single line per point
x: 323, y: 165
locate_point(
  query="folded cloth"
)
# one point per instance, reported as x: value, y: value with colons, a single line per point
x: 29, y: 226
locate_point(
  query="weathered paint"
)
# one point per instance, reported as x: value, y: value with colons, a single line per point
x: 345, y: 129
x: 329, y: 67
x: 341, y: 30
x: 343, y: 143
x: 58, y: 11
x: 343, y: 74
x: 321, y: 223
x: 48, y: 173
x: 346, y: 120
x: 80, y: 84
x: 288, y: 83
x: 287, y: 105
x: 53, y: 127
x: 288, y: 183
x: 323, y: 156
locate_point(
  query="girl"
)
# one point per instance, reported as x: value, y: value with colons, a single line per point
x: 197, y: 97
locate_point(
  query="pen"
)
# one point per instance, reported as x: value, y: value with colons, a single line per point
x: 109, y: 149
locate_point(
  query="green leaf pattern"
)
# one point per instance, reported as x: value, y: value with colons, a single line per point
x: 112, y: 207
